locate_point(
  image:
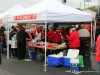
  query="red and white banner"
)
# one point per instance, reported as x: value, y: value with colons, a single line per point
x: 0, y: 20
x: 25, y: 17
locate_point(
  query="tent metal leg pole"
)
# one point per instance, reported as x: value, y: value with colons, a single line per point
x: 94, y: 35
x: 95, y: 25
x: 45, y: 43
x: 95, y: 31
x: 91, y: 35
x: 7, y: 39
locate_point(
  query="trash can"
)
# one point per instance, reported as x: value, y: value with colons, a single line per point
x: 32, y: 54
x: 94, y: 63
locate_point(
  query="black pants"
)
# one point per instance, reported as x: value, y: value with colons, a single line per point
x: 39, y: 49
x: 83, y: 43
x: 21, y: 50
x: 58, y: 42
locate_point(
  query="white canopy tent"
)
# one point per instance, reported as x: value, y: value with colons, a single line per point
x: 49, y: 11
x: 4, y: 17
x: 53, y: 11
x: 11, y: 11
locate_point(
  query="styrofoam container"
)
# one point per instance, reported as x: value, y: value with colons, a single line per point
x: 73, y: 53
x: 74, y: 61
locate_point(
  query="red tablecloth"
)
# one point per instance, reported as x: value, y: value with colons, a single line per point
x: 30, y: 45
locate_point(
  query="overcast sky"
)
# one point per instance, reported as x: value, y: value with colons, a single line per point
x: 7, y: 4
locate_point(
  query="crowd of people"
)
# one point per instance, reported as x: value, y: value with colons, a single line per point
x: 76, y: 38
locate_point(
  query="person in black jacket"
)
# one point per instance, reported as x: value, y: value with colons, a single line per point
x: 21, y: 43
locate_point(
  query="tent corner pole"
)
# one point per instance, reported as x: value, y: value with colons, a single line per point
x: 91, y: 34
x: 95, y: 31
x: 7, y: 38
x: 45, y: 41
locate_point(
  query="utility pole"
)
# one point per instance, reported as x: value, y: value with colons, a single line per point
x: 84, y: 4
x: 88, y: 4
x: 80, y: 5
x: 98, y: 6
x: 64, y: 1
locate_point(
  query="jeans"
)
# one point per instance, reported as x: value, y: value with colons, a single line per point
x: 99, y: 67
x: 1, y: 45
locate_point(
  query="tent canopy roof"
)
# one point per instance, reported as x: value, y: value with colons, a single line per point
x: 92, y: 12
x: 54, y: 11
x: 12, y: 11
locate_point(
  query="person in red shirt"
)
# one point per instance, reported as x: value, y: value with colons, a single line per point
x: 98, y: 51
x: 67, y: 30
x: 57, y: 36
x: 89, y: 39
x: 63, y: 33
x: 34, y: 31
x: 74, y: 42
x: 50, y: 35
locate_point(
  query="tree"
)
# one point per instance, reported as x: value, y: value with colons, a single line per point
x: 94, y: 8
x: 79, y: 9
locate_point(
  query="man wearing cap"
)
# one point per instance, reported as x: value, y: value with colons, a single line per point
x: 19, y: 27
x: 84, y: 35
x: 21, y: 43
x: 74, y: 42
x: 35, y: 29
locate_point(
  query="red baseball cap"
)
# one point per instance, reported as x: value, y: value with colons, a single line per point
x: 19, y: 25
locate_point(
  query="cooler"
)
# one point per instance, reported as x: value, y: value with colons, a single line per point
x: 55, y: 60
x: 66, y: 61
x: 74, y: 65
x: 72, y: 54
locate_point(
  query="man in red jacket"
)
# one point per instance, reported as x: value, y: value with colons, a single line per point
x: 74, y: 42
x: 98, y: 51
